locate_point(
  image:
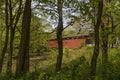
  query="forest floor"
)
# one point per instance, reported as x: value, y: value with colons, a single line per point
x: 49, y: 58
x: 45, y: 61
x: 75, y: 61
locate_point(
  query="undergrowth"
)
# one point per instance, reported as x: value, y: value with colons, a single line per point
x: 77, y: 69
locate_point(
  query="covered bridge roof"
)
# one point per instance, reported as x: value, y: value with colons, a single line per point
x: 71, y: 37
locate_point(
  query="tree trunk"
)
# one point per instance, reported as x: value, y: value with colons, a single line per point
x: 96, y: 47
x: 22, y: 66
x: 12, y: 32
x: 59, y: 37
x: 9, y: 63
x: 104, y: 47
x: 2, y: 55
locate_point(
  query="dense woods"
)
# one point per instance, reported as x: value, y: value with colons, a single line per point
x: 27, y: 27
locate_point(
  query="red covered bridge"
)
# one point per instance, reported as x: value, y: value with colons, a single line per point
x: 71, y: 41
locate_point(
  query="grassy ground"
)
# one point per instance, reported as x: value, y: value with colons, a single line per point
x: 75, y: 65
x: 49, y: 58
x: 68, y: 56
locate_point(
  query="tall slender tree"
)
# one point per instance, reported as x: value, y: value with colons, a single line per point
x: 104, y: 43
x: 59, y: 36
x: 13, y: 21
x: 2, y: 55
x: 22, y: 65
x: 104, y: 46
x: 96, y: 37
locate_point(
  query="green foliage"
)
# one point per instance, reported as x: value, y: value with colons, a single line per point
x: 33, y: 75
x: 77, y: 69
x: 113, y: 71
x: 7, y: 76
x: 112, y: 38
x: 39, y: 37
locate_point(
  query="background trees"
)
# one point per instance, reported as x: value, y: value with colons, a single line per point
x: 14, y: 17
x: 6, y: 37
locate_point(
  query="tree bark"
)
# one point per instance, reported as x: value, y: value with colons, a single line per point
x: 22, y: 66
x: 2, y: 55
x: 96, y: 37
x: 12, y: 32
x: 104, y: 47
x: 59, y: 36
x: 9, y: 63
